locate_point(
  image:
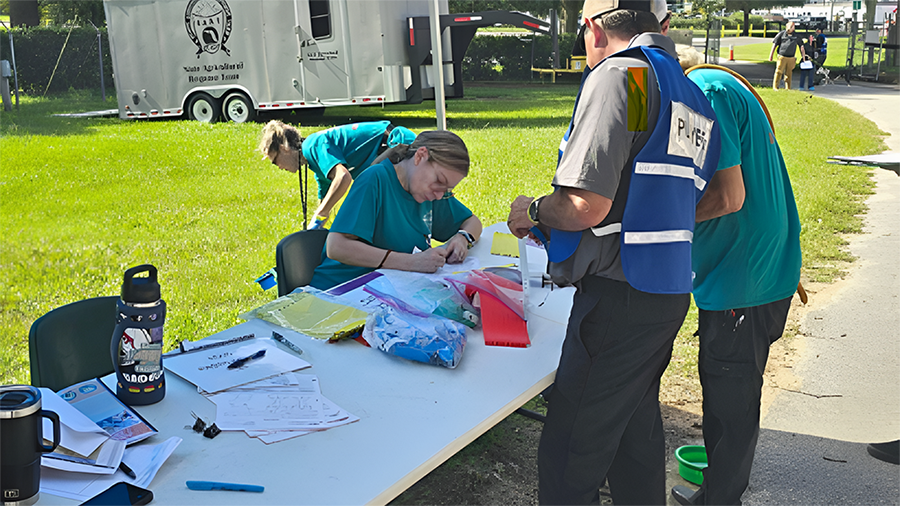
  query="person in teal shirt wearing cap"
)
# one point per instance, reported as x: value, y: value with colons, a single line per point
x: 394, y: 210
x: 336, y: 156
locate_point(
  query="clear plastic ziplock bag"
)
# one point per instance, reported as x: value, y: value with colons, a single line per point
x: 438, y: 297
x: 501, y: 287
x: 309, y: 314
x: 401, y: 330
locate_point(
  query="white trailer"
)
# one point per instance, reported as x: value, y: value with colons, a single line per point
x: 232, y: 58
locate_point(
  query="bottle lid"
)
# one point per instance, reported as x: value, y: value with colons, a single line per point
x: 140, y: 290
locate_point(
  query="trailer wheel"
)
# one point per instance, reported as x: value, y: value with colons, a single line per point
x: 238, y: 108
x: 204, y: 108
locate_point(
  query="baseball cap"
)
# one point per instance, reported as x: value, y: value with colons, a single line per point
x: 594, y: 8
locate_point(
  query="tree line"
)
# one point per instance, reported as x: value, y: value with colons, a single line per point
x: 58, y: 12
x: 31, y: 13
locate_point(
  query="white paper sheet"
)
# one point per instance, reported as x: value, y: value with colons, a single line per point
x: 525, y: 269
x: 77, y: 432
x: 208, y: 369
x: 107, y: 460
x: 334, y: 416
x: 469, y: 264
x: 273, y: 408
x: 144, y: 459
x: 298, y: 382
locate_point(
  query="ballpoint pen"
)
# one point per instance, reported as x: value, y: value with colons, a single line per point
x: 127, y: 470
x: 241, y: 361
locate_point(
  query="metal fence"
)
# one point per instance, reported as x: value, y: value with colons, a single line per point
x: 872, y: 51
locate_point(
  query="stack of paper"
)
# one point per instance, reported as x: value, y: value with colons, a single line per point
x: 83, y: 446
x: 262, y: 396
x: 145, y: 460
x: 87, y: 460
x: 278, y: 408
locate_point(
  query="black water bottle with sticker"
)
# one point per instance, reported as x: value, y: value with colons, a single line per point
x: 137, y: 342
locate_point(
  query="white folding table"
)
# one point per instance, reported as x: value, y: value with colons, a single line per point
x: 413, y: 417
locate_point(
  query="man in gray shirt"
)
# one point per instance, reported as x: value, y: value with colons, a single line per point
x: 637, y: 122
x: 786, y: 42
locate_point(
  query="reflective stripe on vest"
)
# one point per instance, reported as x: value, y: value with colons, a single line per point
x: 658, y: 237
x: 667, y: 169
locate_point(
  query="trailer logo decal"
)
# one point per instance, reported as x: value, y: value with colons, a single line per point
x: 208, y: 23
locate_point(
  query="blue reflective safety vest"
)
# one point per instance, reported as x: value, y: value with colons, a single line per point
x: 655, y: 205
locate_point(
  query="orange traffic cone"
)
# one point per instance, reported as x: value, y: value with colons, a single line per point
x: 731, y: 52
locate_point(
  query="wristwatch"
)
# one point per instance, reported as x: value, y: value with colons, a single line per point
x: 470, y: 239
x: 533, y: 209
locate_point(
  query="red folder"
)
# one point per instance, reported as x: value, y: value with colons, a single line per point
x: 501, y: 325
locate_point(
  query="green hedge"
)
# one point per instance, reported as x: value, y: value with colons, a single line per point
x: 508, y: 58
x: 38, y: 49
x: 732, y: 22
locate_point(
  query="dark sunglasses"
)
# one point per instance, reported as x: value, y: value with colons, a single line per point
x: 580, y: 49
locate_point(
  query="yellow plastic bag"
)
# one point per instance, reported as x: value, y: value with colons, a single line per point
x: 310, y: 315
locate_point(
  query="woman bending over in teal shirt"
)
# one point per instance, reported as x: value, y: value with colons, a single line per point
x: 335, y: 156
x: 396, y: 207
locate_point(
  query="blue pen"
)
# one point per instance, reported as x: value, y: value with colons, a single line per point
x: 215, y: 485
x: 241, y: 361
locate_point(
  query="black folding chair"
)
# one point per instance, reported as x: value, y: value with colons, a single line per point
x: 70, y: 344
x: 296, y: 257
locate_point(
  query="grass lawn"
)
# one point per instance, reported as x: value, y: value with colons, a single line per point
x: 836, y: 61
x: 81, y: 200
x: 837, y: 52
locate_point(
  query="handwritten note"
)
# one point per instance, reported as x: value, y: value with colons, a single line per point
x: 208, y: 369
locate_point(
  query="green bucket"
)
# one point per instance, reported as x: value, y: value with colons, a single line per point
x: 691, y: 462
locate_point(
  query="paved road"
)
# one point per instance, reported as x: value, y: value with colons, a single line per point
x: 812, y: 447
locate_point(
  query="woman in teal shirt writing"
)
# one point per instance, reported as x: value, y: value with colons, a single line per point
x: 394, y: 210
x: 335, y: 156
